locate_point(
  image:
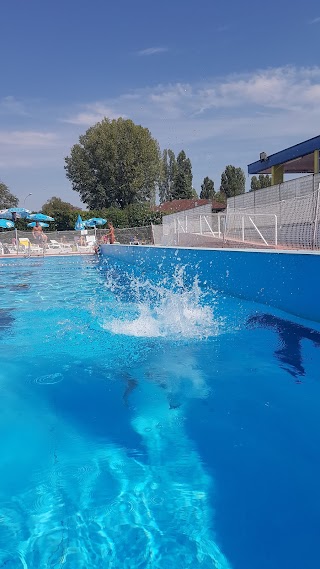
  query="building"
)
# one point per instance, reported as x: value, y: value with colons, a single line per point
x: 302, y: 158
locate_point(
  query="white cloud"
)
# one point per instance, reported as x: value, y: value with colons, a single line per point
x: 91, y: 114
x: 28, y: 138
x: 224, y: 119
x: 185, y: 111
x: 11, y: 106
x: 315, y: 20
x: 152, y: 51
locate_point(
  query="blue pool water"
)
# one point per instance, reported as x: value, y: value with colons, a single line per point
x: 149, y: 425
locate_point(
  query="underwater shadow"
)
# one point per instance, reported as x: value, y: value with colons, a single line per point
x: 290, y: 336
x: 6, y: 318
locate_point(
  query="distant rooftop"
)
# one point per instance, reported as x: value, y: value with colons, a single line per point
x: 175, y: 206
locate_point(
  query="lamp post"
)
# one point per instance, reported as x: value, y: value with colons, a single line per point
x: 24, y: 201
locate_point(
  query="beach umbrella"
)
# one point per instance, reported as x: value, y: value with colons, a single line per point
x: 40, y: 217
x: 6, y: 224
x: 94, y: 221
x: 33, y: 224
x: 20, y: 212
x: 79, y: 224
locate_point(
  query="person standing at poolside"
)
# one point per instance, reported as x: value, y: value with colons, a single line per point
x: 110, y: 233
x: 38, y: 234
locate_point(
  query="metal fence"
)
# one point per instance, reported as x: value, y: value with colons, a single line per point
x: 22, y: 243
x: 297, y: 188
x: 295, y: 204
x: 290, y: 223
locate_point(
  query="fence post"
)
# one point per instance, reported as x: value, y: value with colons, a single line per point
x: 276, y: 231
x: 242, y: 220
x: 315, y: 221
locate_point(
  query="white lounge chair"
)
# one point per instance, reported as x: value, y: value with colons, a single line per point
x: 64, y: 246
x: 53, y: 244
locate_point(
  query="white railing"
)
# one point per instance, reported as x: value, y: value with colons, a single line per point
x: 251, y: 228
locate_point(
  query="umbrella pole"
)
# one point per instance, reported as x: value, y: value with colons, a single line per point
x: 16, y: 232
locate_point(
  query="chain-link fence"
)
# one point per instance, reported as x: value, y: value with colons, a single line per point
x: 289, y: 223
x: 294, y: 203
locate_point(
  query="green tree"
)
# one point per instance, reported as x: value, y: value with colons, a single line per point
x: 195, y: 194
x: 140, y: 215
x: 182, y: 186
x: 116, y: 163
x: 64, y: 213
x: 220, y: 197
x: 233, y: 181
x: 207, y: 189
x: 7, y: 199
x: 167, y: 176
x: 263, y: 181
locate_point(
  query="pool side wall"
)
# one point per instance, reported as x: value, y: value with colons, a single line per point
x: 286, y: 280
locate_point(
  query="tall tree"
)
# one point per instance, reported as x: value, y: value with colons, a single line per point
x: 233, y: 181
x: 182, y: 186
x: 7, y: 199
x: 116, y: 163
x: 195, y: 194
x: 167, y: 176
x: 64, y: 213
x: 263, y: 181
x: 207, y: 189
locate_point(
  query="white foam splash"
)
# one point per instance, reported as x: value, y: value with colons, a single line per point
x: 160, y: 312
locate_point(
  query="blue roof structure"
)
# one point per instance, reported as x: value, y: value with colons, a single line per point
x: 298, y: 159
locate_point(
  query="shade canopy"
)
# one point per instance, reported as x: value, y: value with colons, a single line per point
x: 19, y: 211
x: 94, y: 221
x: 33, y: 224
x: 40, y: 217
x: 6, y: 224
x: 79, y: 224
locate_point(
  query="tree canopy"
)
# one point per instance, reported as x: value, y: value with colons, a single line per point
x: 233, y: 181
x: 167, y: 176
x: 64, y: 213
x: 7, y: 199
x: 116, y: 163
x: 207, y: 189
x: 263, y: 181
x: 182, y: 184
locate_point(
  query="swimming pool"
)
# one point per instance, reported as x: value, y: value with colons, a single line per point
x: 153, y: 423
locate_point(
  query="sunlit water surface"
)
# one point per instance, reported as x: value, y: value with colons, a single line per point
x: 149, y: 425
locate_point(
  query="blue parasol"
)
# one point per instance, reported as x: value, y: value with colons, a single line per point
x: 19, y: 211
x: 40, y: 217
x: 33, y: 224
x: 6, y: 224
x: 94, y: 221
x: 79, y: 224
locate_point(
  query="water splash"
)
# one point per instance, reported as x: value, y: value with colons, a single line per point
x: 155, y: 310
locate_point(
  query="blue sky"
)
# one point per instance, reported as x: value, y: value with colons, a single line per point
x: 221, y: 80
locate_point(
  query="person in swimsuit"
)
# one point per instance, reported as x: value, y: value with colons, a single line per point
x: 38, y: 234
x: 110, y: 233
